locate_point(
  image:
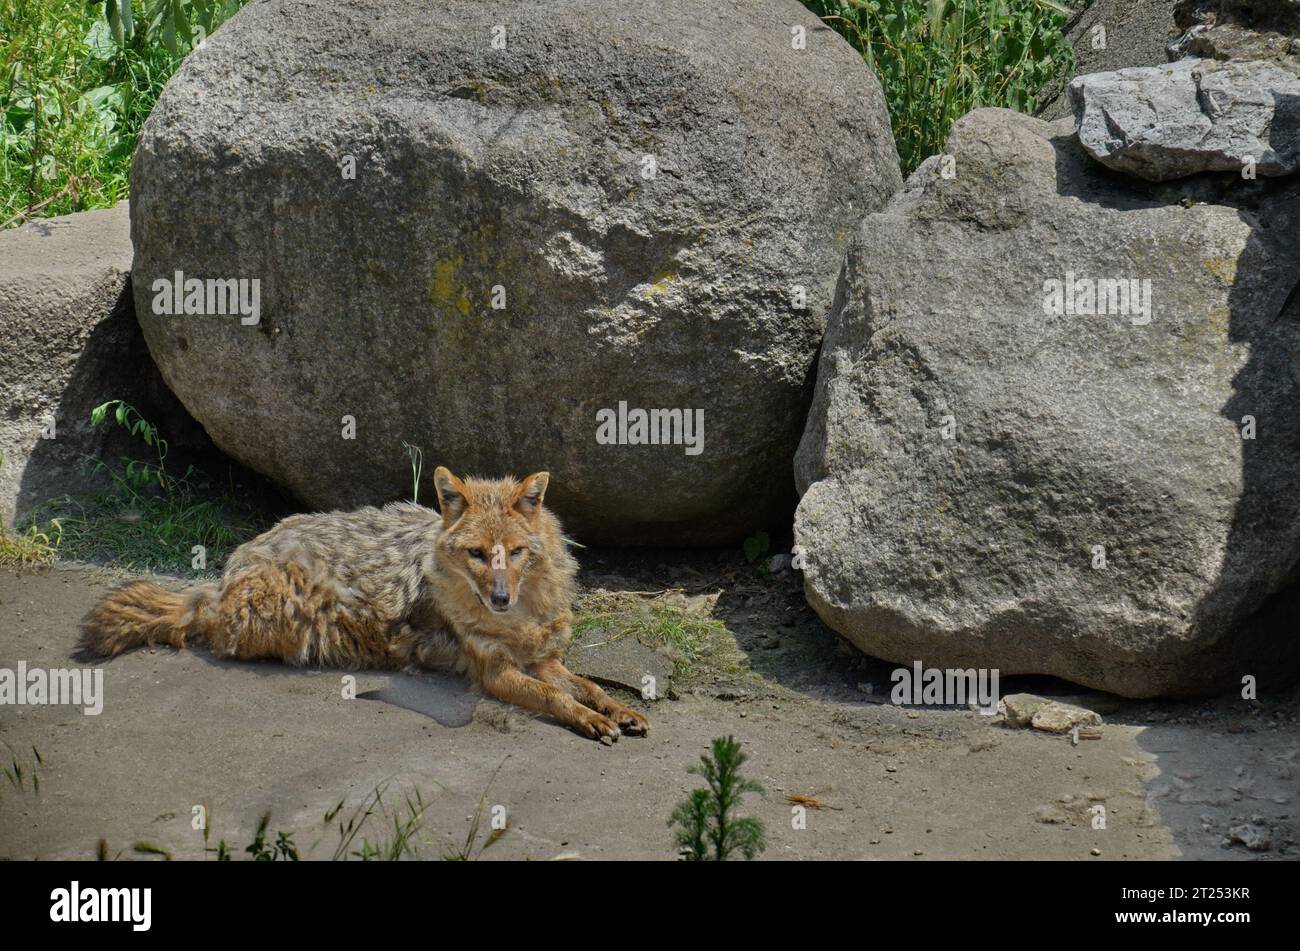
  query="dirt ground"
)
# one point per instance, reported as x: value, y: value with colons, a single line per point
x: 181, y: 729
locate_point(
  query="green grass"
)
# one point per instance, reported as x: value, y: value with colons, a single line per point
x: 465, y: 852
x: 399, y: 838
x: 19, y: 770
x: 397, y: 834
x: 138, y: 531
x: 939, y: 59
x: 74, y: 92
x: 151, y: 518
x: 148, y: 519
x: 656, y: 619
x: 31, y: 546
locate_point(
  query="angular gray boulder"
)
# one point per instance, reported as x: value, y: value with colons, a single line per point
x: 1195, y: 115
x: 486, y: 228
x: 1018, y: 458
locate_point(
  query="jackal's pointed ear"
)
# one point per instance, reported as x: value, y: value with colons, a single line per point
x: 531, y: 491
x: 453, y: 497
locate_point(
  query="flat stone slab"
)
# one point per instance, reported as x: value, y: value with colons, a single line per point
x: 622, y: 662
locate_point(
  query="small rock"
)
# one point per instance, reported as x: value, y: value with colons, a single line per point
x: 1252, y: 837
x: 1050, y: 815
x: 1062, y: 718
x: 1019, y: 708
x: 779, y: 564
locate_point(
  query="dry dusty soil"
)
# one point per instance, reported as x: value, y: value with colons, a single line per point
x: 182, y: 729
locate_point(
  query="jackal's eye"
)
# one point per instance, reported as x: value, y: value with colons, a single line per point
x: 517, y: 552
x: 477, y: 553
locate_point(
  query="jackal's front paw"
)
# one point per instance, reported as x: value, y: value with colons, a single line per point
x: 597, y: 726
x: 630, y: 722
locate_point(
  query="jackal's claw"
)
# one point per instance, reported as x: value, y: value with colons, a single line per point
x: 597, y: 726
x: 631, y: 722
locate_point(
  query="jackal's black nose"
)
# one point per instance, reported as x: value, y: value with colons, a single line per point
x: 500, y: 591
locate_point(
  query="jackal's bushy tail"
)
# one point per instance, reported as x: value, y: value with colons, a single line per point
x: 142, y: 613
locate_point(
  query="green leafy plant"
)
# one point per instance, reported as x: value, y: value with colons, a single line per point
x: 177, y: 25
x: 282, y: 849
x: 756, y: 546
x: 261, y: 849
x: 77, y: 80
x: 938, y: 59
x: 708, y: 829
x: 139, y: 474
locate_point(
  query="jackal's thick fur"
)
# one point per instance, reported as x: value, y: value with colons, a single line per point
x: 484, y: 588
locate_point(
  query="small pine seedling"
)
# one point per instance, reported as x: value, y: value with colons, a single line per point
x: 708, y: 828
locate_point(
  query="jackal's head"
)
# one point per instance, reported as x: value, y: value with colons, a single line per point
x: 490, y: 533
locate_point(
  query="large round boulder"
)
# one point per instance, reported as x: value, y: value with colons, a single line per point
x: 501, y: 232
x: 1056, y: 425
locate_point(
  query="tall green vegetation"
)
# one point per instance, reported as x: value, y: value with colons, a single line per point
x: 938, y: 59
x: 77, y: 80
x: 79, y: 77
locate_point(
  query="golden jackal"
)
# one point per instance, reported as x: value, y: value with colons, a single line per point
x: 483, y: 588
